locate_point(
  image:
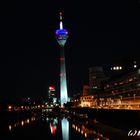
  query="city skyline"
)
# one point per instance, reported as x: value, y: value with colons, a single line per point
x: 99, y: 33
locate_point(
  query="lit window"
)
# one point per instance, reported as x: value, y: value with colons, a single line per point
x: 131, y: 79
x: 114, y: 68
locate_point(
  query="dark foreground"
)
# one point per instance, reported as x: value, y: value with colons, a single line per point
x: 58, y: 125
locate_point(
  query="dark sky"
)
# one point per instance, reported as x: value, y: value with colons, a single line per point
x: 99, y: 31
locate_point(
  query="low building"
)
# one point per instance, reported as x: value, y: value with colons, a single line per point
x: 87, y: 101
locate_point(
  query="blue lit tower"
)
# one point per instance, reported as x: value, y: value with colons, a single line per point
x: 62, y: 35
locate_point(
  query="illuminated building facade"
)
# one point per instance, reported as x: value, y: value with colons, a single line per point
x: 62, y: 35
x: 87, y: 101
x: 52, y: 94
x: 124, y: 89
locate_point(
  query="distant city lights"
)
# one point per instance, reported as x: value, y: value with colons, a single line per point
x: 116, y: 68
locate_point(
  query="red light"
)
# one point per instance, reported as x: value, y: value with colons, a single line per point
x: 62, y: 74
x: 62, y: 58
x: 60, y: 13
x: 52, y: 88
x: 53, y: 129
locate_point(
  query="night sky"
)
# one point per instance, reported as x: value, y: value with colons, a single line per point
x: 99, y: 31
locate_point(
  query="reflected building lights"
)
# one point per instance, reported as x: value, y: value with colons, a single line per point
x: 10, y: 127
x: 85, y: 135
x: 86, y: 131
x: 21, y: 123
x: 53, y: 129
x: 28, y: 121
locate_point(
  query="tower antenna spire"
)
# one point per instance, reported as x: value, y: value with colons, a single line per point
x: 61, y: 23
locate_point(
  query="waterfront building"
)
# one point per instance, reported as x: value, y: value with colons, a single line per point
x: 124, y: 89
x: 88, y: 101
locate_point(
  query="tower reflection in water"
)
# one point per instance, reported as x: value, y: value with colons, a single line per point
x: 65, y: 129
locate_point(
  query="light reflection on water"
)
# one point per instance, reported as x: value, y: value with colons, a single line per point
x: 88, y: 133
x: 56, y: 126
x: 65, y: 129
x: 21, y: 123
x: 53, y: 125
x: 78, y: 126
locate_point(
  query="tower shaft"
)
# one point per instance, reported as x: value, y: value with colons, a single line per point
x: 63, y: 80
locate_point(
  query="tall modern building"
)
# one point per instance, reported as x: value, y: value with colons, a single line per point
x: 96, y: 77
x: 62, y: 35
x: 52, y: 95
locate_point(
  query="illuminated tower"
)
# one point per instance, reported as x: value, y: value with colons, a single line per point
x: 62, y: 35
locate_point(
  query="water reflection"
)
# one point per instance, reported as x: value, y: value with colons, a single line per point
x: 88, y: 133
x: 53, y: 126
x: 79, y: 125
x: 21, y: 123
x: 65, y: 129
x: 54, y: 123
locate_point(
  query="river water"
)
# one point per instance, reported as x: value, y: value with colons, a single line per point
x: 49, y: 125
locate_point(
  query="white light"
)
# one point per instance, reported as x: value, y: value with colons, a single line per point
x: 22, y: 123
x: 61, y: 25
x: 65, y: 129
x: 79, y: 130
x: 85, y: 134
x: 117, y: 67
x: 9, y: 107
x: 28, y: 121
x: 10, y: 127
x: 135, y: 66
